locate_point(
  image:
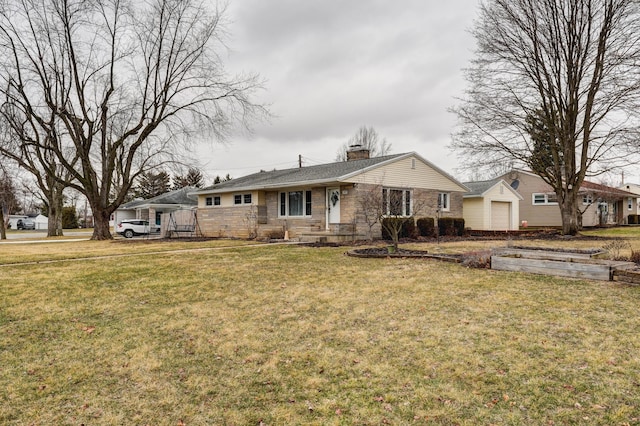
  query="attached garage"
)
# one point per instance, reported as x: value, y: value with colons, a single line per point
x: 491, y: 205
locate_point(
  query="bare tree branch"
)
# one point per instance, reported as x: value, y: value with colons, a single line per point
x: 128, y: 84
x: 570, y: 63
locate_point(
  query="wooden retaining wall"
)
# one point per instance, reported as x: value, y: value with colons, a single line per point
x: 565, y: 264
x: 631, y: 277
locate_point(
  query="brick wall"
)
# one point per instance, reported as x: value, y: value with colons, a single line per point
x: 425, y: 203
x: 263, y: 221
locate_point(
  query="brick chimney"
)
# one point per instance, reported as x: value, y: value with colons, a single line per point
x: 357, y: 152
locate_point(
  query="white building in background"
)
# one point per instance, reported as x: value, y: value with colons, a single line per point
x: 42, y: 222
x: 634, y: 188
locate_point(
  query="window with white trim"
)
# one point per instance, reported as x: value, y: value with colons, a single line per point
x: 543, y: 199
x: 295, y: 204
x: 587, y: 199
x: 397, y: 202
x: 629, y: 203
x: 242, y: 199
x: 444, y: 201
x: 212, y: 201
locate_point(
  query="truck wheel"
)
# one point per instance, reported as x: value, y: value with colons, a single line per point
x: 128, y: 233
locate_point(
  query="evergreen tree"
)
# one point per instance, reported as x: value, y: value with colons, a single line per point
x: 152, y: 184
x: 193, y: 178
x: 69, y: 217
x: 218, y: 179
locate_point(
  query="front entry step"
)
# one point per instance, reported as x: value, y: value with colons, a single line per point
x: 324, y: 237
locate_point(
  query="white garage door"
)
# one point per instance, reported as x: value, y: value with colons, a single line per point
x: 500, y: 215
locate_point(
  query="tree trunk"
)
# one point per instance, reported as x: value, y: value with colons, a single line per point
x: 3, y: 231
x: 569, y: 213
x: 54, y: 228
x: 101, y: 228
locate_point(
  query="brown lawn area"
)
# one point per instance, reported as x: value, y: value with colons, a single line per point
x: 279, y: 335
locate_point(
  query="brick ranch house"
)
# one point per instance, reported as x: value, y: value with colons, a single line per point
x: 322, y: 202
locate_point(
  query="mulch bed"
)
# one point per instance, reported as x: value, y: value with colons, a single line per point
x: 383, y: 252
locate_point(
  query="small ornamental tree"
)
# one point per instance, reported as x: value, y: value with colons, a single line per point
x: 370, y: 207
x: 389, y: 207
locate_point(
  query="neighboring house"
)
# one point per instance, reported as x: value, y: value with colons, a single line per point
x: 491, y: 205
x: 41, y: 221
x: 323, y: 202
x: 165, y: 210
x: 634, y: 189
x: 12, y: 222
x: 599, y: 204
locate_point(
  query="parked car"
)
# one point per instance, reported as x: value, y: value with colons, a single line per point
x: 130, y: 227
x: 26, y: 224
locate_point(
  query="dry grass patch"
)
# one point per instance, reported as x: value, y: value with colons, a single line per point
x: 300, y: 335
x: 45, y: 250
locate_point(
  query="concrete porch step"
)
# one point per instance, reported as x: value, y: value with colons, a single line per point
x: 327, y: 237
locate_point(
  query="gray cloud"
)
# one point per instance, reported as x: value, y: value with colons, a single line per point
x: 331, y: 66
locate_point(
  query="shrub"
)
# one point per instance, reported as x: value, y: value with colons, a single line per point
x: 406, y: 225
x: 451, y: 226
x: 635, y: 256
x: 458, y: 224
x: 477, y: 259
x: 445, y: 226
x: 633, y: 219
x: 409, y: 228
x: 276, y: 234
x: 426, y: 226
x: 615, y: 247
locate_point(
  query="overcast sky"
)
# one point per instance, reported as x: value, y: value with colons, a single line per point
x: 332, y: 66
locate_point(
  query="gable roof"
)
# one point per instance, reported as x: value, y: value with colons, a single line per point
x: 480, y: 188
x: 177, y: 197
x: 604, y: 189
x: 586, y: 187
x: 319, y: 174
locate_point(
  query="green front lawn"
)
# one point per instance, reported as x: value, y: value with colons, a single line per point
x: 299, y: 335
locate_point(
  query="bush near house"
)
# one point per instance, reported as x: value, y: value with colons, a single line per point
x: 426, y: 226
x: 407, y: 228
x: 633, y: 219
x: 451, y: 226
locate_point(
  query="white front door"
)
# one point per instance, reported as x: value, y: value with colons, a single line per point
x: 333, y: 203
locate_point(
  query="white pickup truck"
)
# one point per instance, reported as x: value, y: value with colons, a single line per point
x: 130, y: 227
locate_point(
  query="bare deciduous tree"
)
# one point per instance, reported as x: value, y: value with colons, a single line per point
x: 368, y: 138
x: 554, y: 86
x: 389, y: 207
x: 130, y: 84
x: 8, y: 202
x: 370, y: 206
x: 27, y: 141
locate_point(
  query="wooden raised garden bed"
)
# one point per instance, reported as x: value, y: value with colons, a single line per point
x: 558, y: 263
